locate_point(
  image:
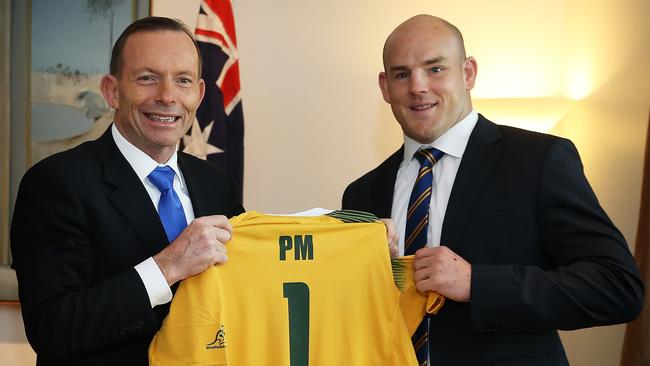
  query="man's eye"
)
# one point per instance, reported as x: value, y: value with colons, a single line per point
x: 436, y: 69
x: 146, y: 78
x: 401, y: 75
x: 185, y: 81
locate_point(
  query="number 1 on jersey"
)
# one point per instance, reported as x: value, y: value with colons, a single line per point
x: 297, y: 295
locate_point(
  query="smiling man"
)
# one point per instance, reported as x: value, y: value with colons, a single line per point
x: 427, y: 79
x: 100, y: 232
x: 155, y: 89
x: 501, y: 221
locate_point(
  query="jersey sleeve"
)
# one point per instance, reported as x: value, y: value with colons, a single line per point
x: 413, y: 305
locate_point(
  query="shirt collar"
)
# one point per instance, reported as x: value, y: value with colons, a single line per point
x: 142, y: 163
x: 452, y: 142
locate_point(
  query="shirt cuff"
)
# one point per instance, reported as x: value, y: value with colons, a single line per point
x: 154, y: 282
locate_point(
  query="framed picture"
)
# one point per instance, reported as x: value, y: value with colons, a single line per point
x: 61, y: 50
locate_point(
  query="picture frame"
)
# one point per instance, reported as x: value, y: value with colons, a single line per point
x: 46, y: 100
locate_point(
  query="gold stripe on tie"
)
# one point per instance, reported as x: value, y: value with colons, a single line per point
x: 421, y: 342
x: 427, y: 154
x: 422, y: 173
x: 416, y: 231
x: 417, y: 202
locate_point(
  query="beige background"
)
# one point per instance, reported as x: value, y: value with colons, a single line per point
x: 315, y: 119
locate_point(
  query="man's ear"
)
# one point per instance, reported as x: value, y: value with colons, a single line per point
x: 109, y: 89
x: 469, y: 70
x: 201, y: 89
x: 383, y: 85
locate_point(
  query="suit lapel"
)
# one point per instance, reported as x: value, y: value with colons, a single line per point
x: 385, y: 185
x: 483, y: 150
x: 129, y: 197
x: 195, y: 186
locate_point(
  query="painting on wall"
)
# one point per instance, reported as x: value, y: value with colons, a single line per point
x: 70, y: 46
x: 62, y: 51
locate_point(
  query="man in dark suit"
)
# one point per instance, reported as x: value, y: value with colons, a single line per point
x: 94, y: 260
x: 514, y: 235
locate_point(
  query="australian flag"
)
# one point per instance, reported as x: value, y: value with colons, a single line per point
x: 218, y: 133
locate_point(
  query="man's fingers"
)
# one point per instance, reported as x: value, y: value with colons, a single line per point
x: 392, y: 237
x: 222, y: 235
x: 198, y: 247
x: 218, y: 221
x: 221, y: 258
x: 426, y: 252
x: 220, y: 248
x: 441, y: 270
x: 420, y: 275
x: 391, y: 232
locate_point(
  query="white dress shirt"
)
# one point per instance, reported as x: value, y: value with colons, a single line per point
x: 151, y: 275
x: 452, y: 143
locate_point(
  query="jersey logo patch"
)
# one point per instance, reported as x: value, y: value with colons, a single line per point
x: 219, y: 340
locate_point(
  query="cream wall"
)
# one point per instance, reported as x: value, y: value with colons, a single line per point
x: 315, y: 119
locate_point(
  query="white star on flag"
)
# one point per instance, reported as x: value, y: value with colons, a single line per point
x: 197, y: 143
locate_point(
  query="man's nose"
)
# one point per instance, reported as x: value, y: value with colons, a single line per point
x: 166, y: 92
x: 418, y: 83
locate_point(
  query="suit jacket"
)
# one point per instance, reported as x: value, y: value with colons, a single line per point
x: 544, y: 254
x: 82, y: 221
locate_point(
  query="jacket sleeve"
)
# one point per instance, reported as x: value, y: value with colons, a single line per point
x: 69, y: 310
x: 591, y: 279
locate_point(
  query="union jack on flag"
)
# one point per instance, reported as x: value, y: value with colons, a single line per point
x: 218, y: 133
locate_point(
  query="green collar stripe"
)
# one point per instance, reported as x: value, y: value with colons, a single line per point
x: 353, y: 216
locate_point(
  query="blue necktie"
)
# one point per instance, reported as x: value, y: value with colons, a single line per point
x: 170, y: 209
x: 417, y: 227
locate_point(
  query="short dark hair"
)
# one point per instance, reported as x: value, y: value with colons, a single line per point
x: 149, y: 24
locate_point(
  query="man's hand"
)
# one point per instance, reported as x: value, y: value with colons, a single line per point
x: 440, y: 270
x: 197, y: 248
x: 392, y: 237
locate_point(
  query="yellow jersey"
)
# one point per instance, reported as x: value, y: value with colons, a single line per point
x: 297, y: 291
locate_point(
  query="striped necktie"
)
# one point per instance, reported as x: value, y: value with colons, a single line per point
x: 170, y: 209
x: 417, y: 227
